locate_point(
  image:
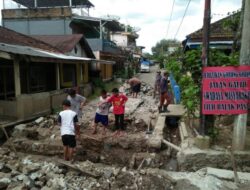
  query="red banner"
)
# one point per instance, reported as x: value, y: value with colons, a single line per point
x: 225, y: 90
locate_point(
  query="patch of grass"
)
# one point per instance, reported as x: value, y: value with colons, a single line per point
x: 108, y: 86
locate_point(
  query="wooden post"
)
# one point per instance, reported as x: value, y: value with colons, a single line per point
x: 205, y: 56
x: 17, y: 77
x: 239, y: 134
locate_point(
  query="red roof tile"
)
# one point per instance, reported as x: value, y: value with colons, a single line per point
x: 65, y: 43
x: 11, y: 37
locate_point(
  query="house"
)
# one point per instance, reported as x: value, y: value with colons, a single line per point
x: 49, y: 19
x: 97, y: 32
x: 73, y: 45
x: 221, y: 37
x: 33, y: 75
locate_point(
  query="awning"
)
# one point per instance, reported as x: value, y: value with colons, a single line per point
x: 26, y: 50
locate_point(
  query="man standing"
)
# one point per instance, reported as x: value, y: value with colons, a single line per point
x: 165, y: 96
x: 135, y: 85
x: 77, y: 102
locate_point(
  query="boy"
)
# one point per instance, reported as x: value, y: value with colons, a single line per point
x: 67, y: 121
x: 118, y: 101
x: 102, y: 112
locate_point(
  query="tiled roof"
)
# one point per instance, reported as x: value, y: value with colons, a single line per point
x: 218, y: 31
x: 66, y: 43
x: 11, y: 37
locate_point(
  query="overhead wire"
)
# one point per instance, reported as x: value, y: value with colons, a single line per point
x: 182, y: 19
x: 170, y: 18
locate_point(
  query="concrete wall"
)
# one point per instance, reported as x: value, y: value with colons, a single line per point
x: 36, y: 13
x: 120, y: 40
x: 8, y: 109
x: 58, y: 26
x: 28, y: 106
x: 56, y: 98
x: 31, y: 105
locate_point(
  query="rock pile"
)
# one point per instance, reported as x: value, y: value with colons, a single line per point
x: 34, y: 172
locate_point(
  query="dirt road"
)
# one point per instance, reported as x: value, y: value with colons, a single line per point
x: 149, y: 77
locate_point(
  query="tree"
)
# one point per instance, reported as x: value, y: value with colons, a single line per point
x: 233, y: 23
x: 162, y: 48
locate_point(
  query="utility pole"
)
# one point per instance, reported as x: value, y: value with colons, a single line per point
x: 205, y: 55
x: 240, y: 122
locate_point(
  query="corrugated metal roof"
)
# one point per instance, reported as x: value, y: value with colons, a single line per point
x: 26, y: 50
x: 111, y: 24
x: 11, y: 37
x: 34, y: 52
x: 54, y: 3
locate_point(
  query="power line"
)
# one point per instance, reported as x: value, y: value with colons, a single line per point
x: 170, y: 18
x: 182, y: 19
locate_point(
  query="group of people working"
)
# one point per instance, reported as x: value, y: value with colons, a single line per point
x: 69, y: 119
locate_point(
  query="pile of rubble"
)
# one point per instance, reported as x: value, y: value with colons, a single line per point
x: 19, y: 171
x: 34, y: 172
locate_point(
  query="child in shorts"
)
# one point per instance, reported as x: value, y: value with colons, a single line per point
x: 101, y: 115
x: 67, y: 121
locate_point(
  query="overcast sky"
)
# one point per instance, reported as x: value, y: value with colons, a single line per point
x: 152, y: 16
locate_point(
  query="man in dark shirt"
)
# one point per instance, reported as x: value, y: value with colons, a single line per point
x: 165, y: 96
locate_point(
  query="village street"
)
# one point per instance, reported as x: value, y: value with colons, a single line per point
x: 61, y: 130
x: 103, y: 162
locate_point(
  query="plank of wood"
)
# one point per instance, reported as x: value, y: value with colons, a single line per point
x: 76, y: 168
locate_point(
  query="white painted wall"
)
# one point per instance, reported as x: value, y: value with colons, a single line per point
x: 120, y: 40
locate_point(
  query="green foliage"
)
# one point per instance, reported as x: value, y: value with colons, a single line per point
x: 97, y: 82
x: 213, y: 133
x: 190, y: 94
x: 108, y: 86
x: 186, y: 69
x: 161, y: 49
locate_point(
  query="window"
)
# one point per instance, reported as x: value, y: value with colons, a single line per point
x: 7, y: 84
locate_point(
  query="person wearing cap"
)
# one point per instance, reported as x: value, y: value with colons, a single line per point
x: 67, y: 120
x: 77, y: 102
x: 157, y: 83
x: 164, y: 94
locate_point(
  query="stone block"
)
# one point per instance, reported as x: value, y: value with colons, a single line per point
x: 39, y: 120
x: 202, y: 142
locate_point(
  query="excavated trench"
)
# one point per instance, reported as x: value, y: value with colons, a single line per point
x: 130, y: 150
